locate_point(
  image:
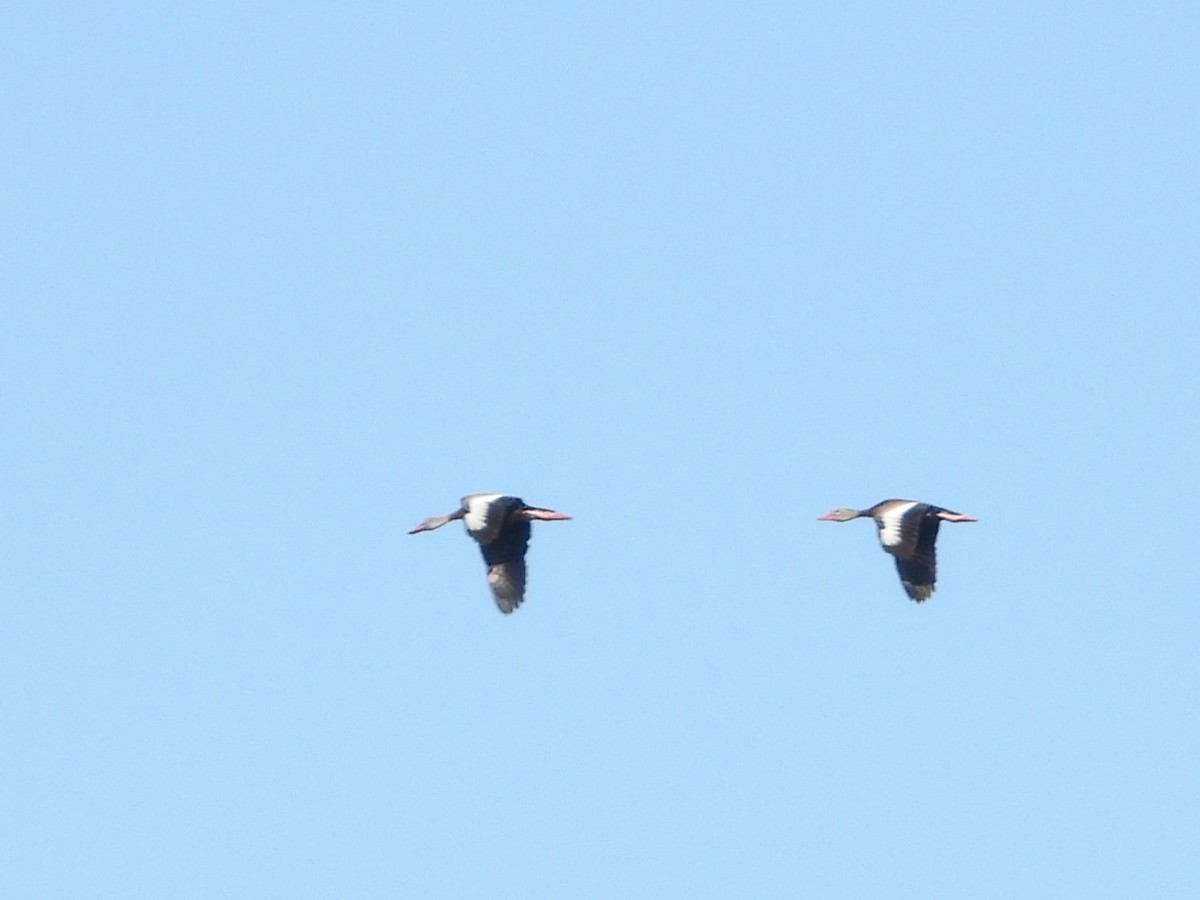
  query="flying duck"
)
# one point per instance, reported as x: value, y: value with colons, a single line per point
x: 907, y: 530
x: 500, y: 525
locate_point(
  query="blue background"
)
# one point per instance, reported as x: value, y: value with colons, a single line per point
x: 281, y: 280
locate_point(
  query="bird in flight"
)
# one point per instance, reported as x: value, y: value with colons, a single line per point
x: 500, y: 525
x: 907, y: 530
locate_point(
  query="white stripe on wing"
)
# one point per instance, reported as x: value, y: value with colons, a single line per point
x: 891, y: 523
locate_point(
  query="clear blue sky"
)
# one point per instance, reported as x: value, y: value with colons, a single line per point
x: 280, y: 280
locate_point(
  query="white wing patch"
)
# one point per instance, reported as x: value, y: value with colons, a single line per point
x: 480, y: 514
x: 890, y: 524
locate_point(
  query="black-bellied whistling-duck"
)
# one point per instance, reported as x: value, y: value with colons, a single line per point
x: 908, y: 531
x: 500, y: 524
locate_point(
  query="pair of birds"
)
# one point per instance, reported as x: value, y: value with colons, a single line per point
x: 501, y: 526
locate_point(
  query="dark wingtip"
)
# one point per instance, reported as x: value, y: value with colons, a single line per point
x: 918, y: 593
x: 507, y: 606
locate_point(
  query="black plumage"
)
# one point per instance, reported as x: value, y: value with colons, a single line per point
x: 918, y: 567
x: 505, y: 557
